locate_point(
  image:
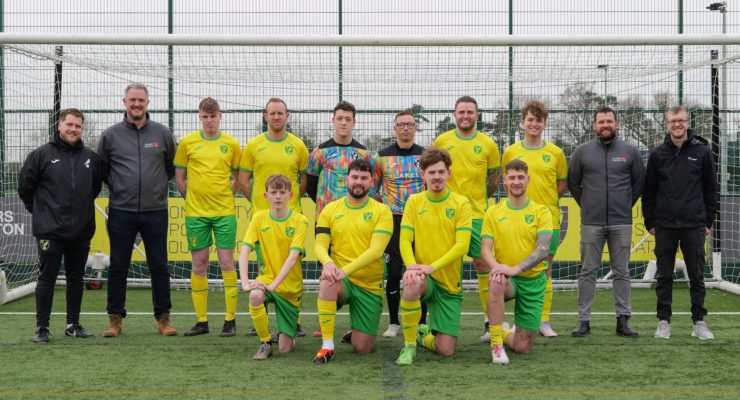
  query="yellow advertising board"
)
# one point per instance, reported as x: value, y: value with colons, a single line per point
x: 178, y: 247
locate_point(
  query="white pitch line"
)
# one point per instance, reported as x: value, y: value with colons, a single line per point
x: 731, y: 313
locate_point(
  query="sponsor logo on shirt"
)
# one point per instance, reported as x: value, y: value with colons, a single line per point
x: 620, y: 159
x: 152, y: 145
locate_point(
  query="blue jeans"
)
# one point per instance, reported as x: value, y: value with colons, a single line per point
x: 122, y: 229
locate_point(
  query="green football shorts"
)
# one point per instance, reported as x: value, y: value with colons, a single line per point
x: 444, y: 309
x: 364, y: 308
x: 529, y: 294
x: 199, y: 232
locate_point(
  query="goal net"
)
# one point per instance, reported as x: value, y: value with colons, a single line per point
x: 639, y: 76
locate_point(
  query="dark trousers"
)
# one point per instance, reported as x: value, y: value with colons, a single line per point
x: 394, y: 273
x: 51, y: 253
x: 122, y: 229
x: 667, y: 242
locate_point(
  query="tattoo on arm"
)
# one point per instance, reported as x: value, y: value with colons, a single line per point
x: 539, y: 253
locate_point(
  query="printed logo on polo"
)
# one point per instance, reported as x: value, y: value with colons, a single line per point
x: 450, y: 212
x: 44, y: 244
x: 367, y: 216
x: 152, y: 145
x: 224, y: 148
x: 54, y: 161
x: 477, y: 149
x: 691, y: 158
x: 87, y: 163
x: 546, y: 157
x: 619, y: 159
x: 529, y: 218
x: 289, y: 231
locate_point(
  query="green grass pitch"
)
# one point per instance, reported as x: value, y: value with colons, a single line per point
x: 143, y: 365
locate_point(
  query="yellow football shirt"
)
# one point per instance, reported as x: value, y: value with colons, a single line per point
x: 514, y: 232
x: 547, y: 166
x: 273, y: 239
x: 263, y: 156
x: 472, y: 160
x: 434, y: 225
x: 209, y: 164
x: 351, y: 230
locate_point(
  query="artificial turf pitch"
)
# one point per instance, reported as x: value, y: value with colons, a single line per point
x: 140, y: 364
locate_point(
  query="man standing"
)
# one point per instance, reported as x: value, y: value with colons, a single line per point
x: 548, y: 172
x: 207, y: 161
x: 58, y: 185
x: 606, y: 178
x: 351, y: 234
x: 476, y: 161
x: 397, y: 176
x: 276, y: 151
x: 435, y: 235
x: 516, y: 238
x: 140, y: 153
x: 679, y: 206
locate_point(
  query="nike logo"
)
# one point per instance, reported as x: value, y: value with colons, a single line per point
x: 265, y: 229
x: 450, y: 148
x: 261, y: 149
x: 393, y: 292
x: 325, y: 321
x: 501, y: 219
x: 55, y: 161
x: 339, y: 216
x: 422, y: 212
x: 692, y: 159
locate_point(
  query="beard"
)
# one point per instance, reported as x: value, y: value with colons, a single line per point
x: 358, y: 195
x: 608, y: 137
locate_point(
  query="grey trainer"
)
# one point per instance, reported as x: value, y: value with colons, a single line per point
x: 264, y: 352
x: 664, y: 330
x: 701, y: 331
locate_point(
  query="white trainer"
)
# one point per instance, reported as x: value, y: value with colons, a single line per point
x: 392, y: 330
x: 664, y: 330
x: 701, y: 331
x: 499, y: 355
x: 547, y: 331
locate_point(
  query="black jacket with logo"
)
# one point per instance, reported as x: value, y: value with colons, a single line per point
x: 58, y: 185
x: 680, y: 185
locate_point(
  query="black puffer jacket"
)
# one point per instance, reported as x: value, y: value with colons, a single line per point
x: 58, y: 185
x: 680, y: 185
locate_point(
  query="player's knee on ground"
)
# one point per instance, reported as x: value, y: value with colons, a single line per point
x: 523, y: 341
x: 480, y: 266
x: 285, y: 343
x: 364, y: 347
x: 256, y: 297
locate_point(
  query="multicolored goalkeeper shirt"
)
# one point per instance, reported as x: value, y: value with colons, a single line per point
x: 397, y: 175
x: 329, y: 163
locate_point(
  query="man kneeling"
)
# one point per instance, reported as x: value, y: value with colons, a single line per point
x: 515, y: 239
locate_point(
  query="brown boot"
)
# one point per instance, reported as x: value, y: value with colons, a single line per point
x: 164, y: 327
x: 114, y: 325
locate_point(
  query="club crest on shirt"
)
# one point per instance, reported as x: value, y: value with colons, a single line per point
x: 546, y: 157
x: 44, y: 244
x: 193, y: 241
x: 289, y: 231
x: 224, y: 148
x: 355, y: 156
x: 529, y: 218
x: 417, y: 163
x: 367, y: 216
x: 450, y: 212
x: 289, y: 149
x: 477, y: 149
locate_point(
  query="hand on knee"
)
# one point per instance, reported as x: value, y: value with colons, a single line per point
x: 256, y: 298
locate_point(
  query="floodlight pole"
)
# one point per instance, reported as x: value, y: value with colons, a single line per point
x: 605, y: 67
